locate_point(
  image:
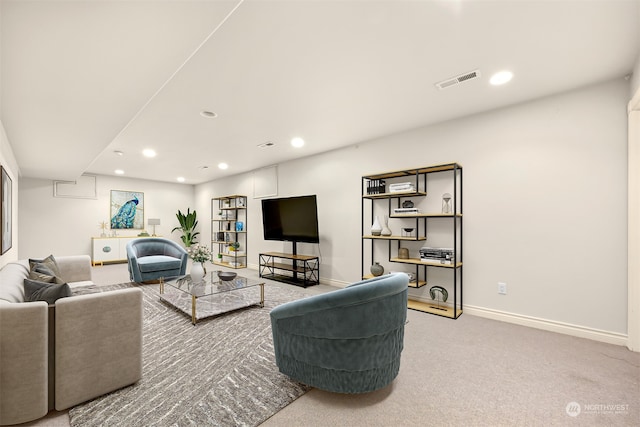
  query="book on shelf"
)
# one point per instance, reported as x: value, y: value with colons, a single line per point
x: 401, y: 187
x: 376, y: 186
x: 405, y: 211
x: 437, y: 260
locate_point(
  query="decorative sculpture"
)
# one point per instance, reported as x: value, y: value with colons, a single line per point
x: 436, y: 292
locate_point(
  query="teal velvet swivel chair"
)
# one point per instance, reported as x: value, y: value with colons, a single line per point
x: 345, y: 341
x: 151, y: 258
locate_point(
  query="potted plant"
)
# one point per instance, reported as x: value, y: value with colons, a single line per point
x: 188, y: 225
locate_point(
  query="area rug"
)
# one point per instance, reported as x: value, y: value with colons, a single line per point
x: 220, y: 372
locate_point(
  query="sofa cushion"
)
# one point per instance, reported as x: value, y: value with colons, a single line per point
x: 158, y: 263
x: 43, y: 291
x: 11, y: 278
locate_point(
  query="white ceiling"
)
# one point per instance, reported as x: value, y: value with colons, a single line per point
x: 82, y: 79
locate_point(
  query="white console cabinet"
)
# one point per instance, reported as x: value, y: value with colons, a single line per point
x: 110, y: 249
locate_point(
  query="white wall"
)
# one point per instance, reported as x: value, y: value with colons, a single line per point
x: 8, y: 161
x: 633, y: 342
x: 545, y: 187
x: 64, y: 226
x: 635, y: 77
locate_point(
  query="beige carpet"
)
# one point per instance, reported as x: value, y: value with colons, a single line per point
x: 473, y: 372
x: 479, y: 372
x: 219, y: 372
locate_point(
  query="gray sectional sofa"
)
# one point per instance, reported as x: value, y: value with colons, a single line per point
x: 55, y: 356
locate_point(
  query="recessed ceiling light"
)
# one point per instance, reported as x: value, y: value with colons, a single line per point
x: 180, y: 179
x: 208, y: 114
x: 148, y: 152
x: 118, y: 153
x: 119, y: 172
x: 501, y: 78
x: 223, y: 165
x: 297, y: 142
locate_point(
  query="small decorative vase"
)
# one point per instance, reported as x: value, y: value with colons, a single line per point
x: 377, y: 269
x: 446, y: 203
x: 403, y: 253
x: 197, y: 272
x: 376, y: 228
x: 385, y: 228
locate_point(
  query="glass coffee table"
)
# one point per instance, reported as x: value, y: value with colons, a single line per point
x: 212, y: 296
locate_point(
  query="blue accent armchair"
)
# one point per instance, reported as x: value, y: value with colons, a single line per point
x: 345, y: 341
x: 151, y: 258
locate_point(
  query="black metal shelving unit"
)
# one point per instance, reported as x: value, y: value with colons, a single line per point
x: 299, y: 270
x: 375, y: 189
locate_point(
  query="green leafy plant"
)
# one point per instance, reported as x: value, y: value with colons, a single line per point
x: 188, y: 224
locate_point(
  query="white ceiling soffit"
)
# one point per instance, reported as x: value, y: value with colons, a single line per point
x: 83, y: 79
x: 74, y: 73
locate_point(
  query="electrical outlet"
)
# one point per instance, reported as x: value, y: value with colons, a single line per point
x: 502, y: 288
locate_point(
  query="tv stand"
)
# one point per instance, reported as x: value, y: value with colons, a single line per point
x: 300, y: 270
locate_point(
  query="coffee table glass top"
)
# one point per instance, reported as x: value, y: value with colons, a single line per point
x: 210, y: 285
x: 212, y: 296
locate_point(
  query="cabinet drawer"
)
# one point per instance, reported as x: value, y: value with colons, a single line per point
x: 106, y: 250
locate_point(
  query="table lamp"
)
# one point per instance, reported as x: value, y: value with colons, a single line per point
x: 154, y: 222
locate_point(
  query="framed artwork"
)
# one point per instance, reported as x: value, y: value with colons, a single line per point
x: 5, y: 211
x: 127, y: 210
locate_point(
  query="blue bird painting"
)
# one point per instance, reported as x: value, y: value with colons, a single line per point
x: 126, y: 214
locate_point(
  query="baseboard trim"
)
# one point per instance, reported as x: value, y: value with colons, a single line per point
x: 334, y: 283
x: 549, y: 325
x: 518, y: 319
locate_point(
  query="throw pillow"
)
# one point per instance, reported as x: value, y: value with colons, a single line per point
x: 45, y: 270
x: 42, y: 274
x: 43, y: 291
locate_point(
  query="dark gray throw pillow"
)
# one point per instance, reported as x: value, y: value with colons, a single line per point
x: 42, y: 291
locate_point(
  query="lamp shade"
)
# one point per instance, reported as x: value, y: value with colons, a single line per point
x: 153, y: 221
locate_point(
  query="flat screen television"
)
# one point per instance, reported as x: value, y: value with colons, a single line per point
x: 291, y: 219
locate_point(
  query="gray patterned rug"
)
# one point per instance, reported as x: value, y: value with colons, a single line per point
x: 220, y: 372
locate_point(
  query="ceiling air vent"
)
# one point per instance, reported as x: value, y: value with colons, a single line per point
x: 458, y: 79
